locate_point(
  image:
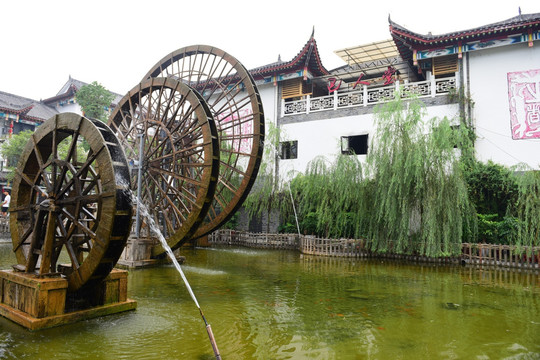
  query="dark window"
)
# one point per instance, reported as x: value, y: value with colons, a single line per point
x: 354, y: 145
x: 288, y: 150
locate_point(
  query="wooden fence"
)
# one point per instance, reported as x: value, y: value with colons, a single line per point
x: 254, y: 240
x: 481, y: 254
x: 501, y: 255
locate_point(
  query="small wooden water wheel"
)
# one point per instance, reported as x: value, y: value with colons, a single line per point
x: 235, y: 104
x: 167, y: 129
x: 71, y: 201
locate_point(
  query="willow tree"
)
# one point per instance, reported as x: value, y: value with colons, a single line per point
x: 527, y: 209
x: 331, y: 196
x: 265, y: 194
x: 419, y: 202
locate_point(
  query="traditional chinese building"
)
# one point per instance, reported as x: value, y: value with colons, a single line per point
x: 498, y: 67
x: 65, y: 100
x: 17, y: 114
x: 323, y: 113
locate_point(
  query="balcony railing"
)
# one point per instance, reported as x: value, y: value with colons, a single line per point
x: 368, y: 96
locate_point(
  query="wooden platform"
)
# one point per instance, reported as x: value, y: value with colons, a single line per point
x: 38, y: 303
x: 138, y: 254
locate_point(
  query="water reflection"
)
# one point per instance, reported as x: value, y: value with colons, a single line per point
x: 281, y: 305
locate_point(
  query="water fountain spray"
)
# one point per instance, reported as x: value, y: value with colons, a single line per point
x: 155, y: 229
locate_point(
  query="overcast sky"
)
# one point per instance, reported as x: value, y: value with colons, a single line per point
x: 116, y: 42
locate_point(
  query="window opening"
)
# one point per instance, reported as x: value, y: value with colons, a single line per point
x: 288, y: 150
x: 354, y: 145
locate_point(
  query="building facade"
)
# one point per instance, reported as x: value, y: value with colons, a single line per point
x: 65, y: 100
x: 18, y: 113
x: 496, y: 66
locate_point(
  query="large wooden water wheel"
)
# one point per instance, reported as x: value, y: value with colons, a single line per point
x: 169, y: 134
x: 71, y: 201
x: 235, y: 104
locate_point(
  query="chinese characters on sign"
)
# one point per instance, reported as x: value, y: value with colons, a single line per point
x: 332, y: 85
x: 524, y: 101
x: 387, y: 77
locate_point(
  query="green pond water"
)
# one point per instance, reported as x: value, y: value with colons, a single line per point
x: 282, y: 305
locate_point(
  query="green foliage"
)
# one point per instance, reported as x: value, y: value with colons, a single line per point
x: 488, y: 228
x: 309, y: 223
x: 330, y: 197
x: 420, y: 192
x: 507, y: 230
x: 492, y: 187
x: 420, y: 202
x: 288, y: 228
x: 527, y: 209
x: 466, y: 106
x: 264, y: 195
x: 94, y: 99
x: 13, y: 147
x: 232, y: 223
x: 494, y: 231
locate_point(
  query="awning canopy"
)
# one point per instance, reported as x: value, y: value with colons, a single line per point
x: 368, y: 53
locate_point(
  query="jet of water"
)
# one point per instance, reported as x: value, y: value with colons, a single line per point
x: 157, y: 232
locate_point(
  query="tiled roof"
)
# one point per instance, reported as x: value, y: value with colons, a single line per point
x: 27, y: 108
x: 408, y: 41
x: 308, y: 55
x: 506, y: 27
x: 71, y: 84
x: 70, y: 88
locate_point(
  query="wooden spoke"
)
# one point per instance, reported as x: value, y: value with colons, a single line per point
x: 69, y: 218
x: 235, y: 104
x: 180, y: 158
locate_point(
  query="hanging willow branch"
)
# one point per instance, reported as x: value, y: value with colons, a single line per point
x: 420, y: 200
x: 265, y: 192
x: 331, y: 197
x: 527, y: 209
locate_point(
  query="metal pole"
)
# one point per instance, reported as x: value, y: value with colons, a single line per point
x: 294, y: 208
x: 139, y: 184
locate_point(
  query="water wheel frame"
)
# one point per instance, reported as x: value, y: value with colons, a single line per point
x: 180, y: 168
x: 230, y: 92
x: 87, y: 210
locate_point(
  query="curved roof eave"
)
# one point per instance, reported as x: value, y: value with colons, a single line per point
x: 491, y: 30
x: 308, y: 56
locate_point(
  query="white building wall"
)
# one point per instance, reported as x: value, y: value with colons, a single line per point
x: 269, y: 99
x: 488, y: 71
x: 323, y: 137
x: 73, y: 108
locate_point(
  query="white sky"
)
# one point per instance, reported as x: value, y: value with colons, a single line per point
x: 116, y: 42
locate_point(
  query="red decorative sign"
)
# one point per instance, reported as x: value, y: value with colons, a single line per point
x: 524, y: 101
x: 332, y: 85
x: 388, y: 78
x: 360, y: 82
